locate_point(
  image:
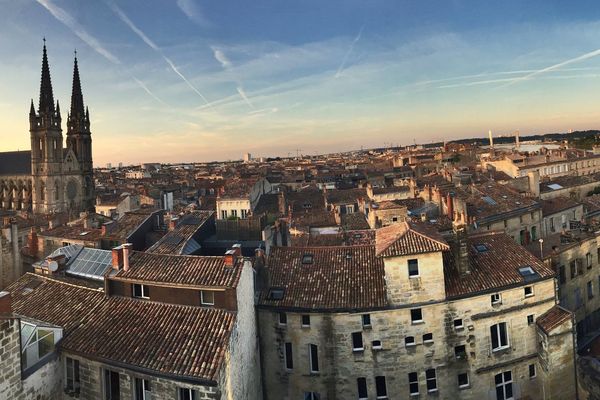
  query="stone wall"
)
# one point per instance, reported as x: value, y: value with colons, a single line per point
x: 43, y: 384
x: 340, y: 366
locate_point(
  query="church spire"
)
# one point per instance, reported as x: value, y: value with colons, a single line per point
x: 77, y: 110
x: 46, y: 96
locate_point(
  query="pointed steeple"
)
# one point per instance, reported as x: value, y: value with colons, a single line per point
x: 77, y: 110
x: 46, y: 96
x: 32, y: 109
x: 57, y: 109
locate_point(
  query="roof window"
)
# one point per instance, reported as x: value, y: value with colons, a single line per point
x: 307, y: 258
x: 276, y: 293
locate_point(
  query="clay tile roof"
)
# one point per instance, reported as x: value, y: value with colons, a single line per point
x: 408, y: 238
x: 52, y: 301
x: 174, y: 340
x: 495, y: 267
x: 194, y: 271
x: 553, y: 318
x: 175, y: 241
x: 338, y: 278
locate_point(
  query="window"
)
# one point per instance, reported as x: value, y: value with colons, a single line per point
x: 409, y: 341
x: 312, y: 396
x: 282, y: 318
x: 72, y: 375
x: 234, y: 213
x: 428, y: 338
x: 416, y: 316
x: 366, y: 320
x: 207, y: 297
x: 37, y: 343
x: 306, y: 321
x: 504, y: 386
x: 361, y: 383
x: 578, y: 298
x: 562, y: 275
x: 357, y: 341
x: 288, y: 356
x: 530, y: 319
x: 376, y: 344
x: 431, y: 380
x: 223, y: 214
x: 112, y: 390
x: 307, y: 259
x: 496, y: 299
x: 413, y: 268
x: 528, y: 291
x: 244, y: 214
x: 458, y: 324
x: 463, y: 380
x: 573, y: 269
x: 499, y: 336
x: 141, y: 291
x: 460, y: 352
x: 590, y: 290
x: 313, y: 355
x: 413, y: 383
x: 187, y: 394
x: 142, y: 389
x: 532, y: 373
x: 588, y: 259
x: 380, y: 387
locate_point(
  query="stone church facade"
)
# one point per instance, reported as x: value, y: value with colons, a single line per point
x: 51, y: 178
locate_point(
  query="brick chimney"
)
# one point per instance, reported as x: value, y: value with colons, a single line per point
x: 173, y: 223
x: 32, y: 242
x: 238, y: 249
x: 126, y: 254
x: 461, y: 252
x: 5, y: 303
x: 117, y: 257
x: 229, y: 258
x: 108, y: 227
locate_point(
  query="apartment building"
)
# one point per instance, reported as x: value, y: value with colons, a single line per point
x: 159, y: 327
x: 415, y: 315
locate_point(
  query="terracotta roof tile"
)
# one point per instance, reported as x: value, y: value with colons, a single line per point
x: 406, y: 238
x: 553, y: 318
x: 339, y: 278
x: 197, y: 271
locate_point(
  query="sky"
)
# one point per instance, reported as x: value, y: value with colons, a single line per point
x: 200, y: 80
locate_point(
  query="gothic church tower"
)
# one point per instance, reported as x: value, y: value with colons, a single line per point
x: 62, y: 178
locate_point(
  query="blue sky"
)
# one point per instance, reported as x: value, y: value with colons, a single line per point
x: 197, y: 80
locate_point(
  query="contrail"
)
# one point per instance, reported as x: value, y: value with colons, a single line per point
x: 242, y: 93
x: 123, y: 17
x: 345, y: 59
x: 582, y: 57
x: 226, y: 64
x: 66, y: 19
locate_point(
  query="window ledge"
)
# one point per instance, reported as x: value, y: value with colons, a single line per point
x: 419, y: 322
x: 358, y: 350
x: 463, y: 387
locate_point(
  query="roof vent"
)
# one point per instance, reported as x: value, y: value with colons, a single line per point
x: 307, y: 258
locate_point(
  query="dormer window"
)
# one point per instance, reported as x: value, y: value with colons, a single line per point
x: 276, y: 294
x: 141, y: 291
x: 207, y: 297
x: 481, y: 248
x: 307, y: 258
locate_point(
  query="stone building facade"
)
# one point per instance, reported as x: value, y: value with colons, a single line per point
x: 414, y: 320
x: 50, y: 178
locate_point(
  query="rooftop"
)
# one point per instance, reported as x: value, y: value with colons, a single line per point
x: 406, y: 238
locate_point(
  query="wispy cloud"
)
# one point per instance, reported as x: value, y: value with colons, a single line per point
x: 243, y: 95
x: 350, y: 49
x: 123, y: 17
x: 66, y: 19
x: 221, y: 58
x: 193, y: 12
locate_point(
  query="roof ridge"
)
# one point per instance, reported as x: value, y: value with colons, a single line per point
x: 429, y: 238
x: 48, y: 278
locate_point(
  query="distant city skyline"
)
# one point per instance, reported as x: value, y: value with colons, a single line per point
x: 193, y: 80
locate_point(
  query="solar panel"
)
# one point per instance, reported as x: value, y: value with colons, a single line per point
x: 91, y: 263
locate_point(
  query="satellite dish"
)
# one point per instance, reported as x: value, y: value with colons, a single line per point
x: 53, y: 266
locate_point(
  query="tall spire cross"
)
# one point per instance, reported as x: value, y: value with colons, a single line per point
x: 46, y: 95
x: 77, y: 109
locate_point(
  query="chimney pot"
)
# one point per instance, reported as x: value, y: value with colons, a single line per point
x: 126, y: 254
x: 229, y: 258
x: 237, y: 248
x: 173, y: 223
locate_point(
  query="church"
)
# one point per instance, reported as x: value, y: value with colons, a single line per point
x: 50, y: 177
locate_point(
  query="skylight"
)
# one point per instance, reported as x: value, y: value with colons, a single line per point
x: 526, y: 271
x: 276, y: 293
x: 481, y: 248
x: 307, y: 258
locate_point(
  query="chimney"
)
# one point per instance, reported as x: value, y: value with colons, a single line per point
x: 491, y: 140
x: 173, y: 223
x: 423, y: 217
x: 238, y: 249
x: 107, y: 227
x: 32, y: 242
x: 450, y: 206
x: 117, y: 257
x: 229, y: 258
x: 126, y: 253
x: 5, y: 303
x: 462, y: 251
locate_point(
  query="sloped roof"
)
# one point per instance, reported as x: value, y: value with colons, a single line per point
x: 15, y: 163
x: 338, y: 278
x: 406, y: 238
x: 553, y: 318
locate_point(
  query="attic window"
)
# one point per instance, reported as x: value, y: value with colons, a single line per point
x: 276, y: 294
x: 307, y: 258
x: 481, y: 248
x: 306, y: 205
x: 526, y: 271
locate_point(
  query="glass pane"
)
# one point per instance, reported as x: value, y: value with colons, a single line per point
x: 46, y: 344
x: 509, y: 392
